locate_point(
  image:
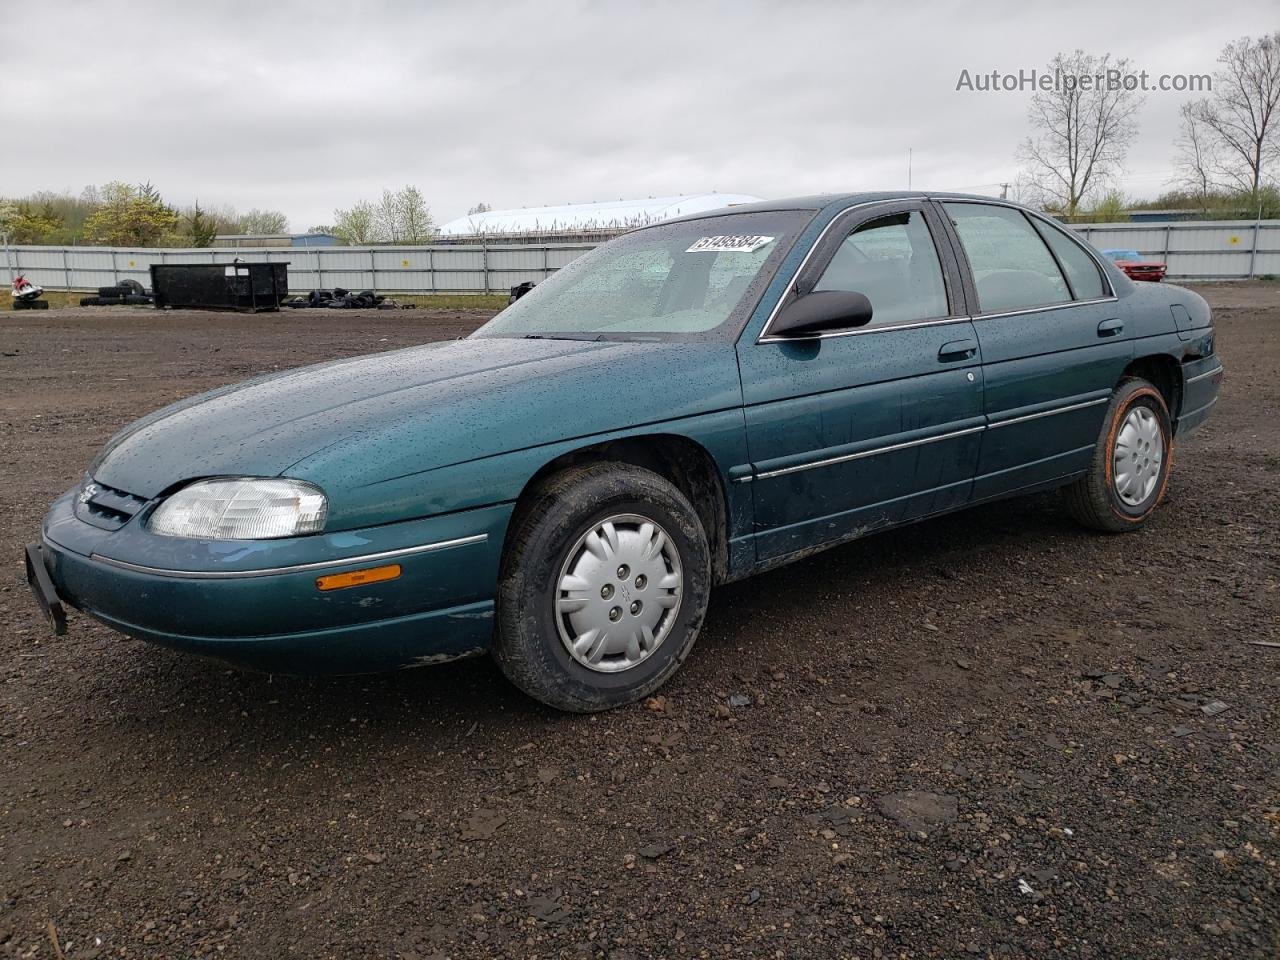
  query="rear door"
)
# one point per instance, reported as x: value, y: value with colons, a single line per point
x: 850, y: 431
x: 1053, y: 344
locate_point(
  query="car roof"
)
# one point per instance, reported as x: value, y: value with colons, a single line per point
x: 821, y: 201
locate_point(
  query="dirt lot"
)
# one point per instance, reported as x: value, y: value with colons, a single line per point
x: 991, y: 734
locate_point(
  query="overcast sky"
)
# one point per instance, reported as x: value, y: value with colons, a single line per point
x: 305, y: 107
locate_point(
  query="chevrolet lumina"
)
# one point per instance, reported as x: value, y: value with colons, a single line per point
x: 691, y: 403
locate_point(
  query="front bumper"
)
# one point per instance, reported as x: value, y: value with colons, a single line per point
x: 257, y: 603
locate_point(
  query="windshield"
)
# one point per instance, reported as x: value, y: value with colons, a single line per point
x: 1124, y: 254
x: 684, y: 280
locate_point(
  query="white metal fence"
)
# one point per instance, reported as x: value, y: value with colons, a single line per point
x: 452, y: 268
x: 1194, y: 250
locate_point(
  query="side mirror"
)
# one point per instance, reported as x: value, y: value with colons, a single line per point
x: 822, y: 311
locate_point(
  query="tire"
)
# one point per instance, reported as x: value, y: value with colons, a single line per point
x: 537, y: 618
x: 108, y: 293
x: 1136, y: 426
x: 132, y: 288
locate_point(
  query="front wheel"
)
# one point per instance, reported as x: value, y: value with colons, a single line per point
x: 603, y: 588
x: 1130, y: 468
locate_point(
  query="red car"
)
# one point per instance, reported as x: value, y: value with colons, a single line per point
x: 1135, y: 266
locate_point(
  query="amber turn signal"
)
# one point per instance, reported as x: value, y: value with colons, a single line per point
x: 358, y: 578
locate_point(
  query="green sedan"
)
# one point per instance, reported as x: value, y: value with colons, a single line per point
x: 686, y: 405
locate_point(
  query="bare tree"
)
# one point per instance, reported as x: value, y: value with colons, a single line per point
x: 1241, y: 118
x: 1198, y: 157
x: 1022, y: 190
x: 1081, y: 128
x: 264, y: 221
x: 480, y: 207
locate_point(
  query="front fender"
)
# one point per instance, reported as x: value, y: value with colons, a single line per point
x: 502, y: 478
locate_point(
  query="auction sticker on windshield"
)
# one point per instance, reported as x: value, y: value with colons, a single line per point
x: 739, y: 244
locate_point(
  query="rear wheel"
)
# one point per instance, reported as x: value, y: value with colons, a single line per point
x: 1130, y: 468
x: 603, y: 589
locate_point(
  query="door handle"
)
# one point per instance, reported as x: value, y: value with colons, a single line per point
x: 1109, y: 328
x: 958, y: 350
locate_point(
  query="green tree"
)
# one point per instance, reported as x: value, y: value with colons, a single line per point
x: 131, y: 216
x: 1216, y: 204
x: 358, y: 225
x: 1110, y: 208
x: 403, y: 216
x: 36, y: 226
x: 8, y: 214
x: 201, y: 227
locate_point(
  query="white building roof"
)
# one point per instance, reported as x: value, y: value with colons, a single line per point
x: 580, y: 217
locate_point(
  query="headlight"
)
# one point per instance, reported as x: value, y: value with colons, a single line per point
x: 243, y: 508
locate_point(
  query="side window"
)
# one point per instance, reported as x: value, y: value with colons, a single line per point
x: 893, y: 262
x: 1082, y: 271
x: 1012, y: 268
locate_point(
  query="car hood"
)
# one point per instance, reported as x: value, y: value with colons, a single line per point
x: 419, y: 409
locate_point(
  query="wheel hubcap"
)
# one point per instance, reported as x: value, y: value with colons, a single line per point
x: 1137, y: 457
x: 619, y: 593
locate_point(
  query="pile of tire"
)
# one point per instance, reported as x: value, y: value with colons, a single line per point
x: 125, y: 293
x: 340, y: 299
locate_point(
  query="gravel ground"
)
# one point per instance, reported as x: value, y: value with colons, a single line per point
x: 991, y: 734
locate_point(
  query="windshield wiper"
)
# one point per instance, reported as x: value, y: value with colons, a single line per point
x: 555, y: 336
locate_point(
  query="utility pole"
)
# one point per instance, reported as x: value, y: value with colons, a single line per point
x: 908, y: 168
x: 1004, y: 191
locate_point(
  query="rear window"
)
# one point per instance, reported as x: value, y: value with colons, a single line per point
x: 1012, y: 267
x: 1082, y: 270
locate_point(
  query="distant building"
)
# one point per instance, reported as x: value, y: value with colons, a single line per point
x: 1162, y: 216
x: 275, y: 240
x: 582, y: 221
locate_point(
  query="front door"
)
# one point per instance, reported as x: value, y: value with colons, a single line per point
x: 850, y: 431
x: 1053, y: 344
